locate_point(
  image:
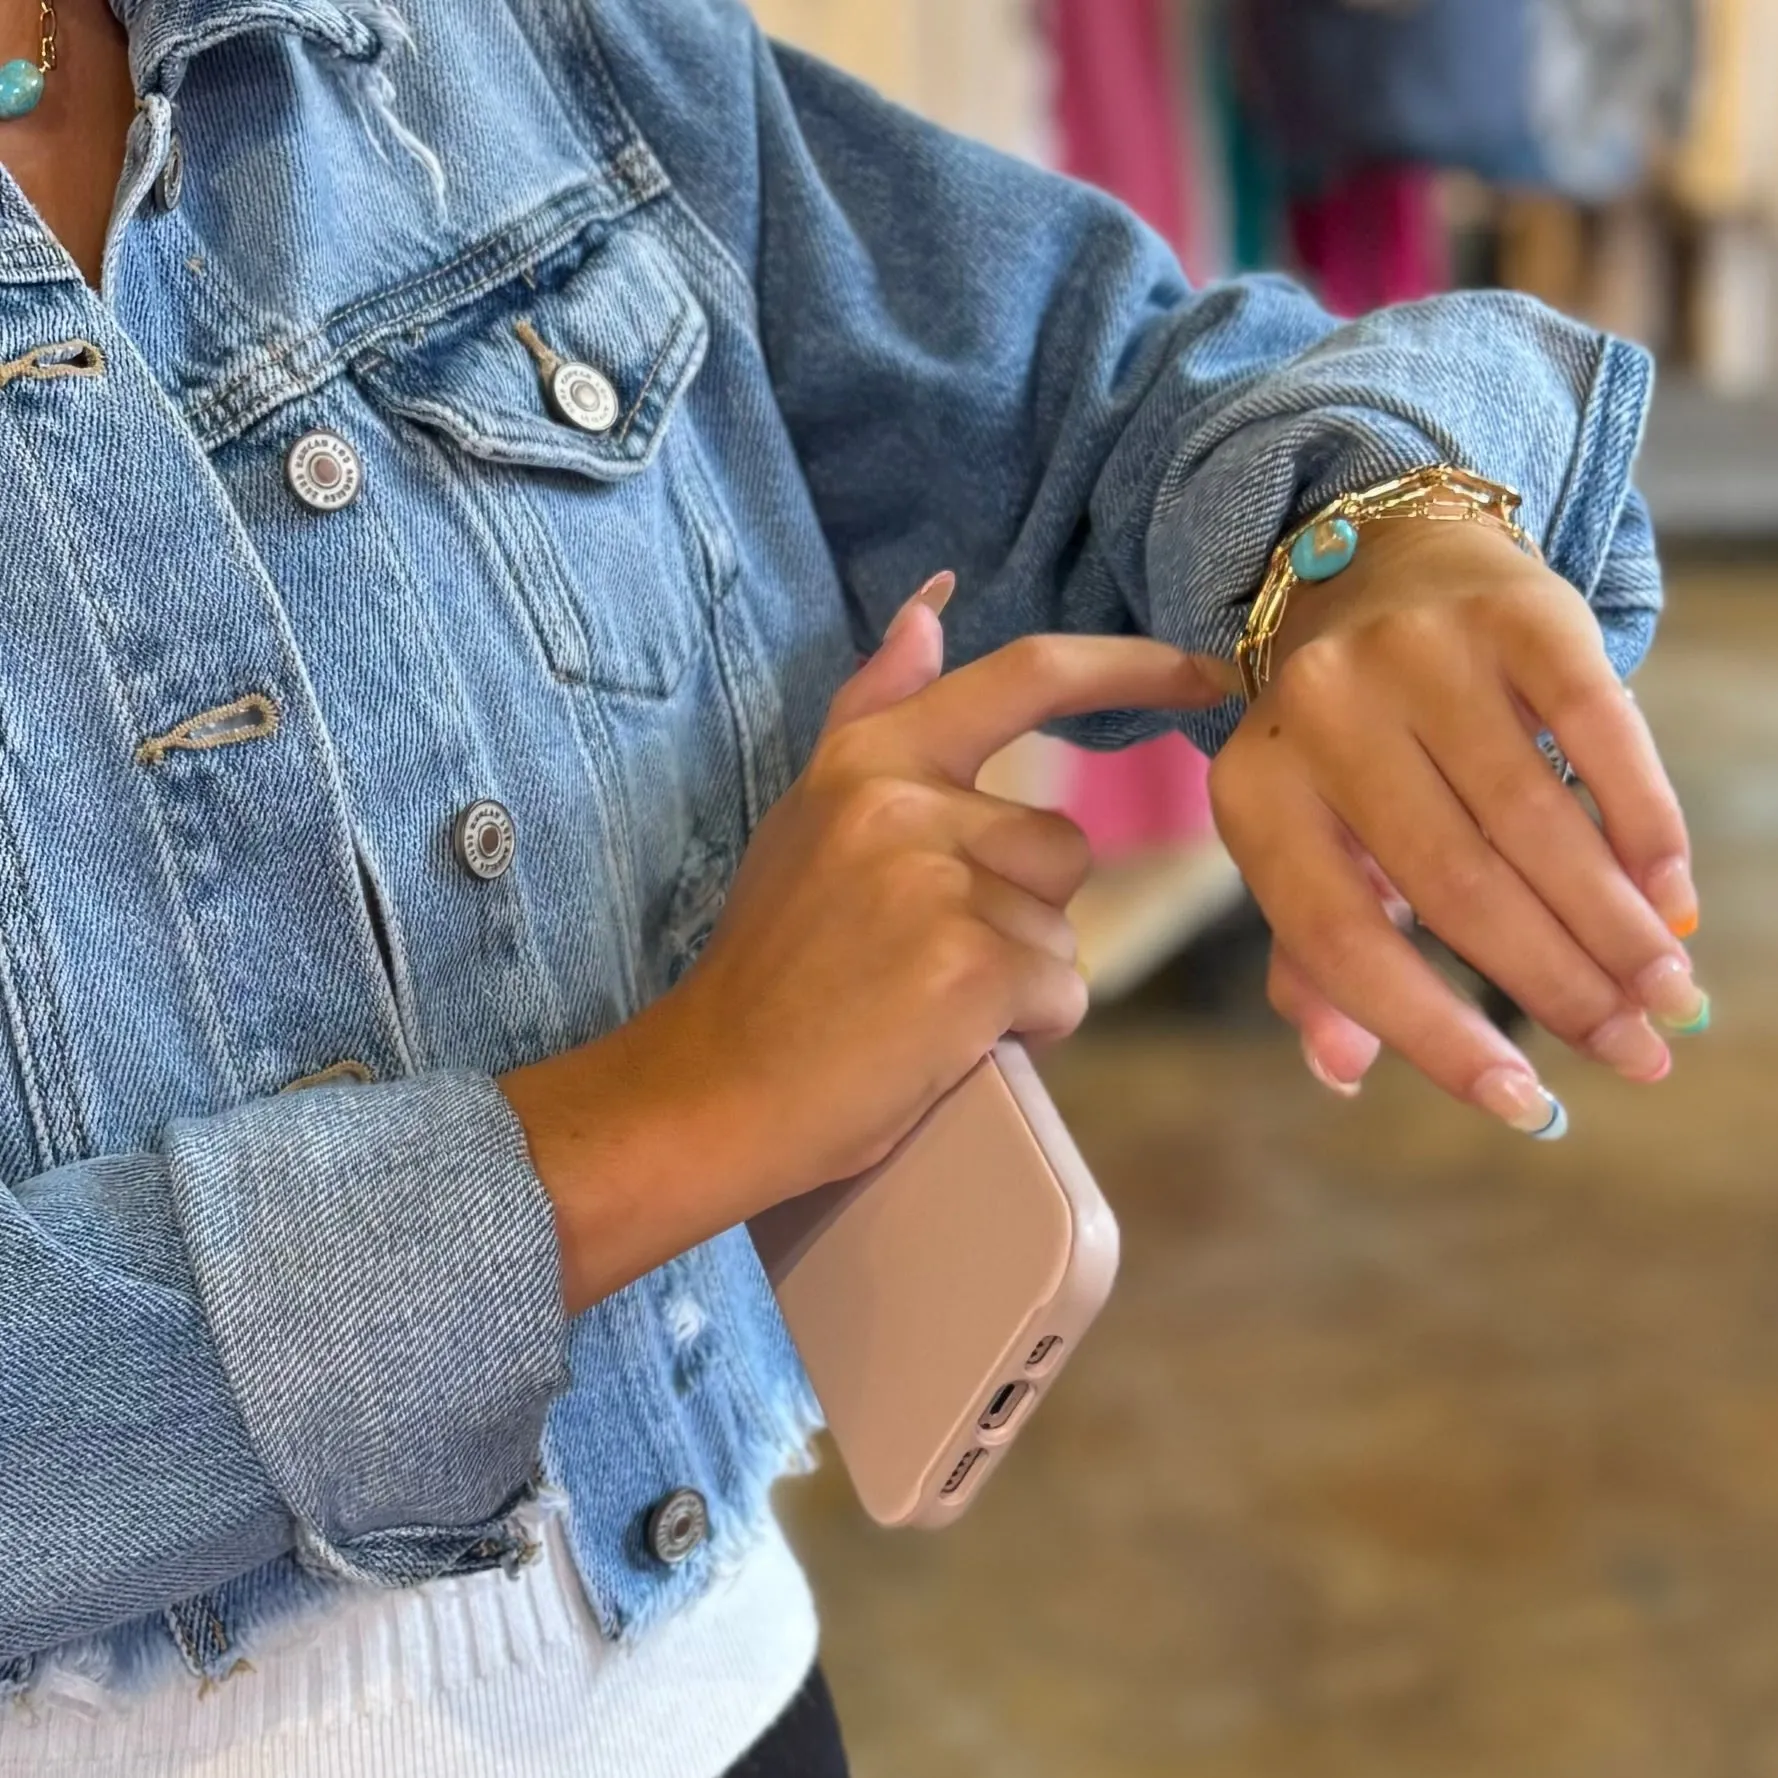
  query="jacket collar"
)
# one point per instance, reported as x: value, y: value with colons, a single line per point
x: 166, y: 34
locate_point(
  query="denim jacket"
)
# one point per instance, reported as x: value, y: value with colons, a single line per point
x: 279, y: 1298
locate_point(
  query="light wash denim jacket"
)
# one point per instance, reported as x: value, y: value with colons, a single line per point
x: 257, y: 1343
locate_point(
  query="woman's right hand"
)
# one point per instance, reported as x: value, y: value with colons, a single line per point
x: 888, y: 926
x: 890, y: 923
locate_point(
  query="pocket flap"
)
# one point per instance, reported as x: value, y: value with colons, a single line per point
x: 623, y: 309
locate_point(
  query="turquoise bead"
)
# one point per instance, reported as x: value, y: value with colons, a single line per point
x: 21, y: 86
x: 1324, y: 549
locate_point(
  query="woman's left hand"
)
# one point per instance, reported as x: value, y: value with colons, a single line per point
x: 1392, y: 763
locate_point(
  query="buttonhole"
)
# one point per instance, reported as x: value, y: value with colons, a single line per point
x: 326, y: 1077
x: 61, y: 358
x: 548, y: 362
x: 251, y: 718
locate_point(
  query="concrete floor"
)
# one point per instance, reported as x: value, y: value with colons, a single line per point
x: 1405, y: 1447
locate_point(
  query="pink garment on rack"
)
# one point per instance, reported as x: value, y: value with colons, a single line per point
x: 1374, y: 238
x: 1120, y: 126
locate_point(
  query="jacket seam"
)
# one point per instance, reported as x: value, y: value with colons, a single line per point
x: 172, y: 879
x: 713, y: 247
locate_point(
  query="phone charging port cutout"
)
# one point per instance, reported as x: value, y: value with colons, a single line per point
x: 1005, y: 1406
x: 968, y: 1464
x: 1044, y: 1353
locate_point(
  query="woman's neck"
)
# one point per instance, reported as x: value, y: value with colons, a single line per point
x: 67, y: 153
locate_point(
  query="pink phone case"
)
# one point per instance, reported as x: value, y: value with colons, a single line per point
x: 935, y: 1299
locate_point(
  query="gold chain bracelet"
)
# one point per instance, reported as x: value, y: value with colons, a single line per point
x: 1325, y: 545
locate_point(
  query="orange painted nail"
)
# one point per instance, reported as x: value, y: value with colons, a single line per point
x: 1685, y: 926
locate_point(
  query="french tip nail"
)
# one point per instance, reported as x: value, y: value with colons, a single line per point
x: 1670, y: 888
x: 1696, y: 1025
x: 1521, y: 1102
x: 1345, y: 1089
x: 1557, y: 1127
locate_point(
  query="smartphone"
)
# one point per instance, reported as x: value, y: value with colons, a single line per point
x: 935, y: 1299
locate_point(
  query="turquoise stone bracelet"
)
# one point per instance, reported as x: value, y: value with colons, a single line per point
x: 1327, y: 543
x: 1324, y: 549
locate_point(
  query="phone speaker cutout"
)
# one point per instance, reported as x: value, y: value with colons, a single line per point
x: 958, y: 1476
x: 1046, y: 1349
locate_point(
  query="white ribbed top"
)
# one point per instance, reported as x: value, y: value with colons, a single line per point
x: 483, y: 1677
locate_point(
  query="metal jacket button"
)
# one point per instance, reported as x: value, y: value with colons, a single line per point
x: 582, y: 397
x: 486, y: 840
x: 323, y: 471
x: 171, y: 180
x: 677, y: 1526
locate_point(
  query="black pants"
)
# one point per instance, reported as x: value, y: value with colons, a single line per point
x: 803, y: 1743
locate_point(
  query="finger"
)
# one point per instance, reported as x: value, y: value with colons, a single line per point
x: 1046, y: 998
x: 1536, y: 824
x: 1039, y: 851
x: 1326, y: 916
x: 1338, y: 1051
x: 1577, y: 695
x: 1023, y: 919
x: 956, y: 725
x: 1465, y: 891
x: 911, y: 656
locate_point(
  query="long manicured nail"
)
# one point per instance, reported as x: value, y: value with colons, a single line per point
x: 1513, y: 1096
x: 935, y: 595
x: 1674, y: 897
x: 1666, y: 988
x: 1628, y: 1044
x: 1347, y: 1089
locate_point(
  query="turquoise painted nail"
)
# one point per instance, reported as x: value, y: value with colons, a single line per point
x: 1667, y: 990
x: 1697, y: 1024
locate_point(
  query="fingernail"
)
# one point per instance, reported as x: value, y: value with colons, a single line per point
x: 1514, y: 1097
x: 935, y: 595
x: 1673, y: 896
x: 1666, y: 988
x: 1347, y: 1089
x: 1627, y: 1044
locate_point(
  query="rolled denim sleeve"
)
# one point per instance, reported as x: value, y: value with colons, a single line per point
x: 987, y: 367
x: 328, y: 1322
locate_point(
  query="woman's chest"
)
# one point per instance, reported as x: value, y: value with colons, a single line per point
x: 399, y: 695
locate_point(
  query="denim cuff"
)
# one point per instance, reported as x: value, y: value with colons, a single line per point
x: 1495, y: 383
x: 380, y: 1272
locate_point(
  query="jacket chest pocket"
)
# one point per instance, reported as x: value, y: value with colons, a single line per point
x: 547, y: 408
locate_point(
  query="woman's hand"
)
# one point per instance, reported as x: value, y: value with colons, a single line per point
x: 1392, y: 764
x: 889, y: 924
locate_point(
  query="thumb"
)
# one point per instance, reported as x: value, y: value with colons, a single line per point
x: 910, y: 657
